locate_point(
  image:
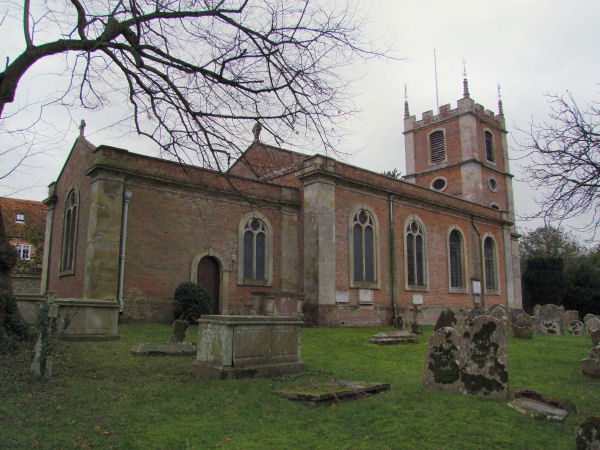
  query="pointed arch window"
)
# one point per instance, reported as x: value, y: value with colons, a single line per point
x: 255, y: 254
x: 363, y: 249
x: 69, y: 241
x: 456, y: 260
x: 489, y: 147
x: 437, y: 146
x: 491, y: 264
x: 415, y: 255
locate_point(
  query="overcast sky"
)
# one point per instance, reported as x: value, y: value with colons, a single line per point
x: 530, y: 48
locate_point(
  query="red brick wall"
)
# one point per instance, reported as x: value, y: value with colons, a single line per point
x: 72, y: 174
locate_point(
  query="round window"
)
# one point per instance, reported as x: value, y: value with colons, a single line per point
x: 495, y: 206
x: 493, y: 184
x: 439, y: 184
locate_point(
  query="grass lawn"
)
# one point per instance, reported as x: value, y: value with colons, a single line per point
x: 103, y: 397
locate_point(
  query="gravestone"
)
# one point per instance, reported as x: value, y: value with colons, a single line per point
x: 595, y: 335
x: 536, y: 309
x: 523, y: 332
x: 588, y: 317
x: 41, y: 363
x: 394, y: 337
x: 548, y: 320
x: 570, y: 315
x: 499, y: 312
x: 591, y: 366
x: 473, y: 362
x: 477, y: 311
x: 514, y: 313
x: 537, y: 405
x: 592, y: 325
x: 447, y: 318
x: 587, y: 434
x: 523, y: 320
x: 179, y: 329
x: 576, y: 328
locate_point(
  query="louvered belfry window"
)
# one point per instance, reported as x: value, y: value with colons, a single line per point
x: 438, y: 147
x: 489, y: 146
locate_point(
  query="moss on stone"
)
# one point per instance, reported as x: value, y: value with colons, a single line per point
x: 443, y: 364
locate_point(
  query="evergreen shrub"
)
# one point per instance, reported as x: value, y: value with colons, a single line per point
x: 191, y: 301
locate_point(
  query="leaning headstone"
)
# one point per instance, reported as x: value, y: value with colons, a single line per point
x: 569, y: 316
x: 576, y: 328
x: 587, y: 435
x: 394, y: 337
x: 472, y: 362
x: 549, y: 320
x: 447, y: 318
x: 595, y: 335
x: 591, y: 366
x: 592, y: 325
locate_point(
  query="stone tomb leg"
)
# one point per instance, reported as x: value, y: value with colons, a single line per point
x: 248, y: 346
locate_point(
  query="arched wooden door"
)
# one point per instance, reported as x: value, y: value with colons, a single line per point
x: 209, y: 276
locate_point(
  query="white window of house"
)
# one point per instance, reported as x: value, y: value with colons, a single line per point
x: 24, y: 251
x: 20, y: 218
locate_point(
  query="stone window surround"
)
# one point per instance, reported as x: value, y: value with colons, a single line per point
x: 268, y: 281
x: 413, y: 287
x: 496, y: 290
x: 363, y: 284
x: 436, y: 179
x: 72, y: 242
x: 463, y: 261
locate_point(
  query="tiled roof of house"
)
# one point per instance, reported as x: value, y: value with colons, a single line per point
x: 17, y: 213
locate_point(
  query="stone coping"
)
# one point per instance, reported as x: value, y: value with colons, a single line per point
x: 249, y: 320
x: 93, y: 303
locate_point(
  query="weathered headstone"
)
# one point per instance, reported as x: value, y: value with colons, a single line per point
x: 447, y: 318
x: 499, y: 312
x: 523, y: 320
x: 592, y: 325
x: 537, y: 405
x: 549, y: 320
x: 595, y: 335
x: 569, y: 316
x: 536, y: 309
x: 587, y: 434
x: 394, y: 337
x: 179, y: 329
x: 588, y: 317
x: 522, y: 332
x: 576, y: 328
x: 514, y: 312
x: 477, y: 311
x: 591, y: 366
x: 41, y: 363
x: 472, y: 362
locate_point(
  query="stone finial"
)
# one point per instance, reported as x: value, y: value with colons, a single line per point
x: 256, y: 129
x: 406, y: 111
x: 465, y: 81
x: 500, y: 110
x: 82, y: 125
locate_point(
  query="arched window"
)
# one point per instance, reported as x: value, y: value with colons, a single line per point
x: 255, y: 255
x: 437, y: 147
x: 67, y: 260
x: 415, y: 254
x: 491, y: 265
x: 489, y: 146
x: 363, y: 249
x: 456, y: 259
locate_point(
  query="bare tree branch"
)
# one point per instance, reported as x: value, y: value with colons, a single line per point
x: 197, y: 72
x: 565, y: 161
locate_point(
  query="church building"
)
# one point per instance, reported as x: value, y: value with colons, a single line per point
x: 285, y: 233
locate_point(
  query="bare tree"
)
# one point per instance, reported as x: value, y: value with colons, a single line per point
x: 195, y: 73
x: 565, y: 161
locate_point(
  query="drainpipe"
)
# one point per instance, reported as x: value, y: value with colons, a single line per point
x: 393, y: 259
x: 481, y: 263
x: 126, y: 198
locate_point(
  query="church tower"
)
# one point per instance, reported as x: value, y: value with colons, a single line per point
x: 461, y: 152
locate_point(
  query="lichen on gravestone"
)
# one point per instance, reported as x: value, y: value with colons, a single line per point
x: 587, y: 434
x: 179, y: 329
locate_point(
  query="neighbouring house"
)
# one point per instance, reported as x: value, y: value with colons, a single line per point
x: 286, y: 233
x: 25, y: 224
